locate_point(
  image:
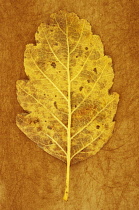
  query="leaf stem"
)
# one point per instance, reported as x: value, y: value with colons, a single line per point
x: 66, y: 194
x: 65, y: 197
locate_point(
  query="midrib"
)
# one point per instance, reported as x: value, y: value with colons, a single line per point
x: 69, y: 122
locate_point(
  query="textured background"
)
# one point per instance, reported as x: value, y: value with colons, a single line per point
x: 30, y: 179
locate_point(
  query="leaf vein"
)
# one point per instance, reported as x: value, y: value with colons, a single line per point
x: 82, y: 66
x: 90, y: 91
x: 53, y: 51
x: 78, y: 39
x: 55, y: 142
x: 48, y: 78
x: 59, y: 26
x: 87, y: 144
x: 91, y: 119
x: 43, y: 107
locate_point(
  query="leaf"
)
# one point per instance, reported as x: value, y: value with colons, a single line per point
x: 69, y: 110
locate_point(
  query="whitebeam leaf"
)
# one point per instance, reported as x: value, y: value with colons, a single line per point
x: 69, y: 110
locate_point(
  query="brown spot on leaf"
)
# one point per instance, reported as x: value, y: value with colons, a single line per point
x: 95, y: 70
x: 84, y: 111
x: 55, y: 104
x: 56, y: 43
x: 36, y: 121
x: 53, y: 64
x: 49, y: 127
x: 39, y: 128
x: 81, y: 88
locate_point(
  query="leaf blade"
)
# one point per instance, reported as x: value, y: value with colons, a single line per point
x: 69, y: 108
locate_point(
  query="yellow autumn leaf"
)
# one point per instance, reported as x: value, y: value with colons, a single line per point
x: 69, y: 110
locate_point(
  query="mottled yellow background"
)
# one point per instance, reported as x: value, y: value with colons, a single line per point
x: 30, y: 179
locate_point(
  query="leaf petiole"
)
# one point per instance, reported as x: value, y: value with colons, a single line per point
x: 66, y: 194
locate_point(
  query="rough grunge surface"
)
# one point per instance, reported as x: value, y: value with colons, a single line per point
x: 70, y: 111
x: 30, y: 178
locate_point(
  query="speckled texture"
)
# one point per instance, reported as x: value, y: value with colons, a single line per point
x: 68, y: 90
x: 30, y: 178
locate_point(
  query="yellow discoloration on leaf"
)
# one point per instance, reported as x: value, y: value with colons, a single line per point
x: 69, y: 109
